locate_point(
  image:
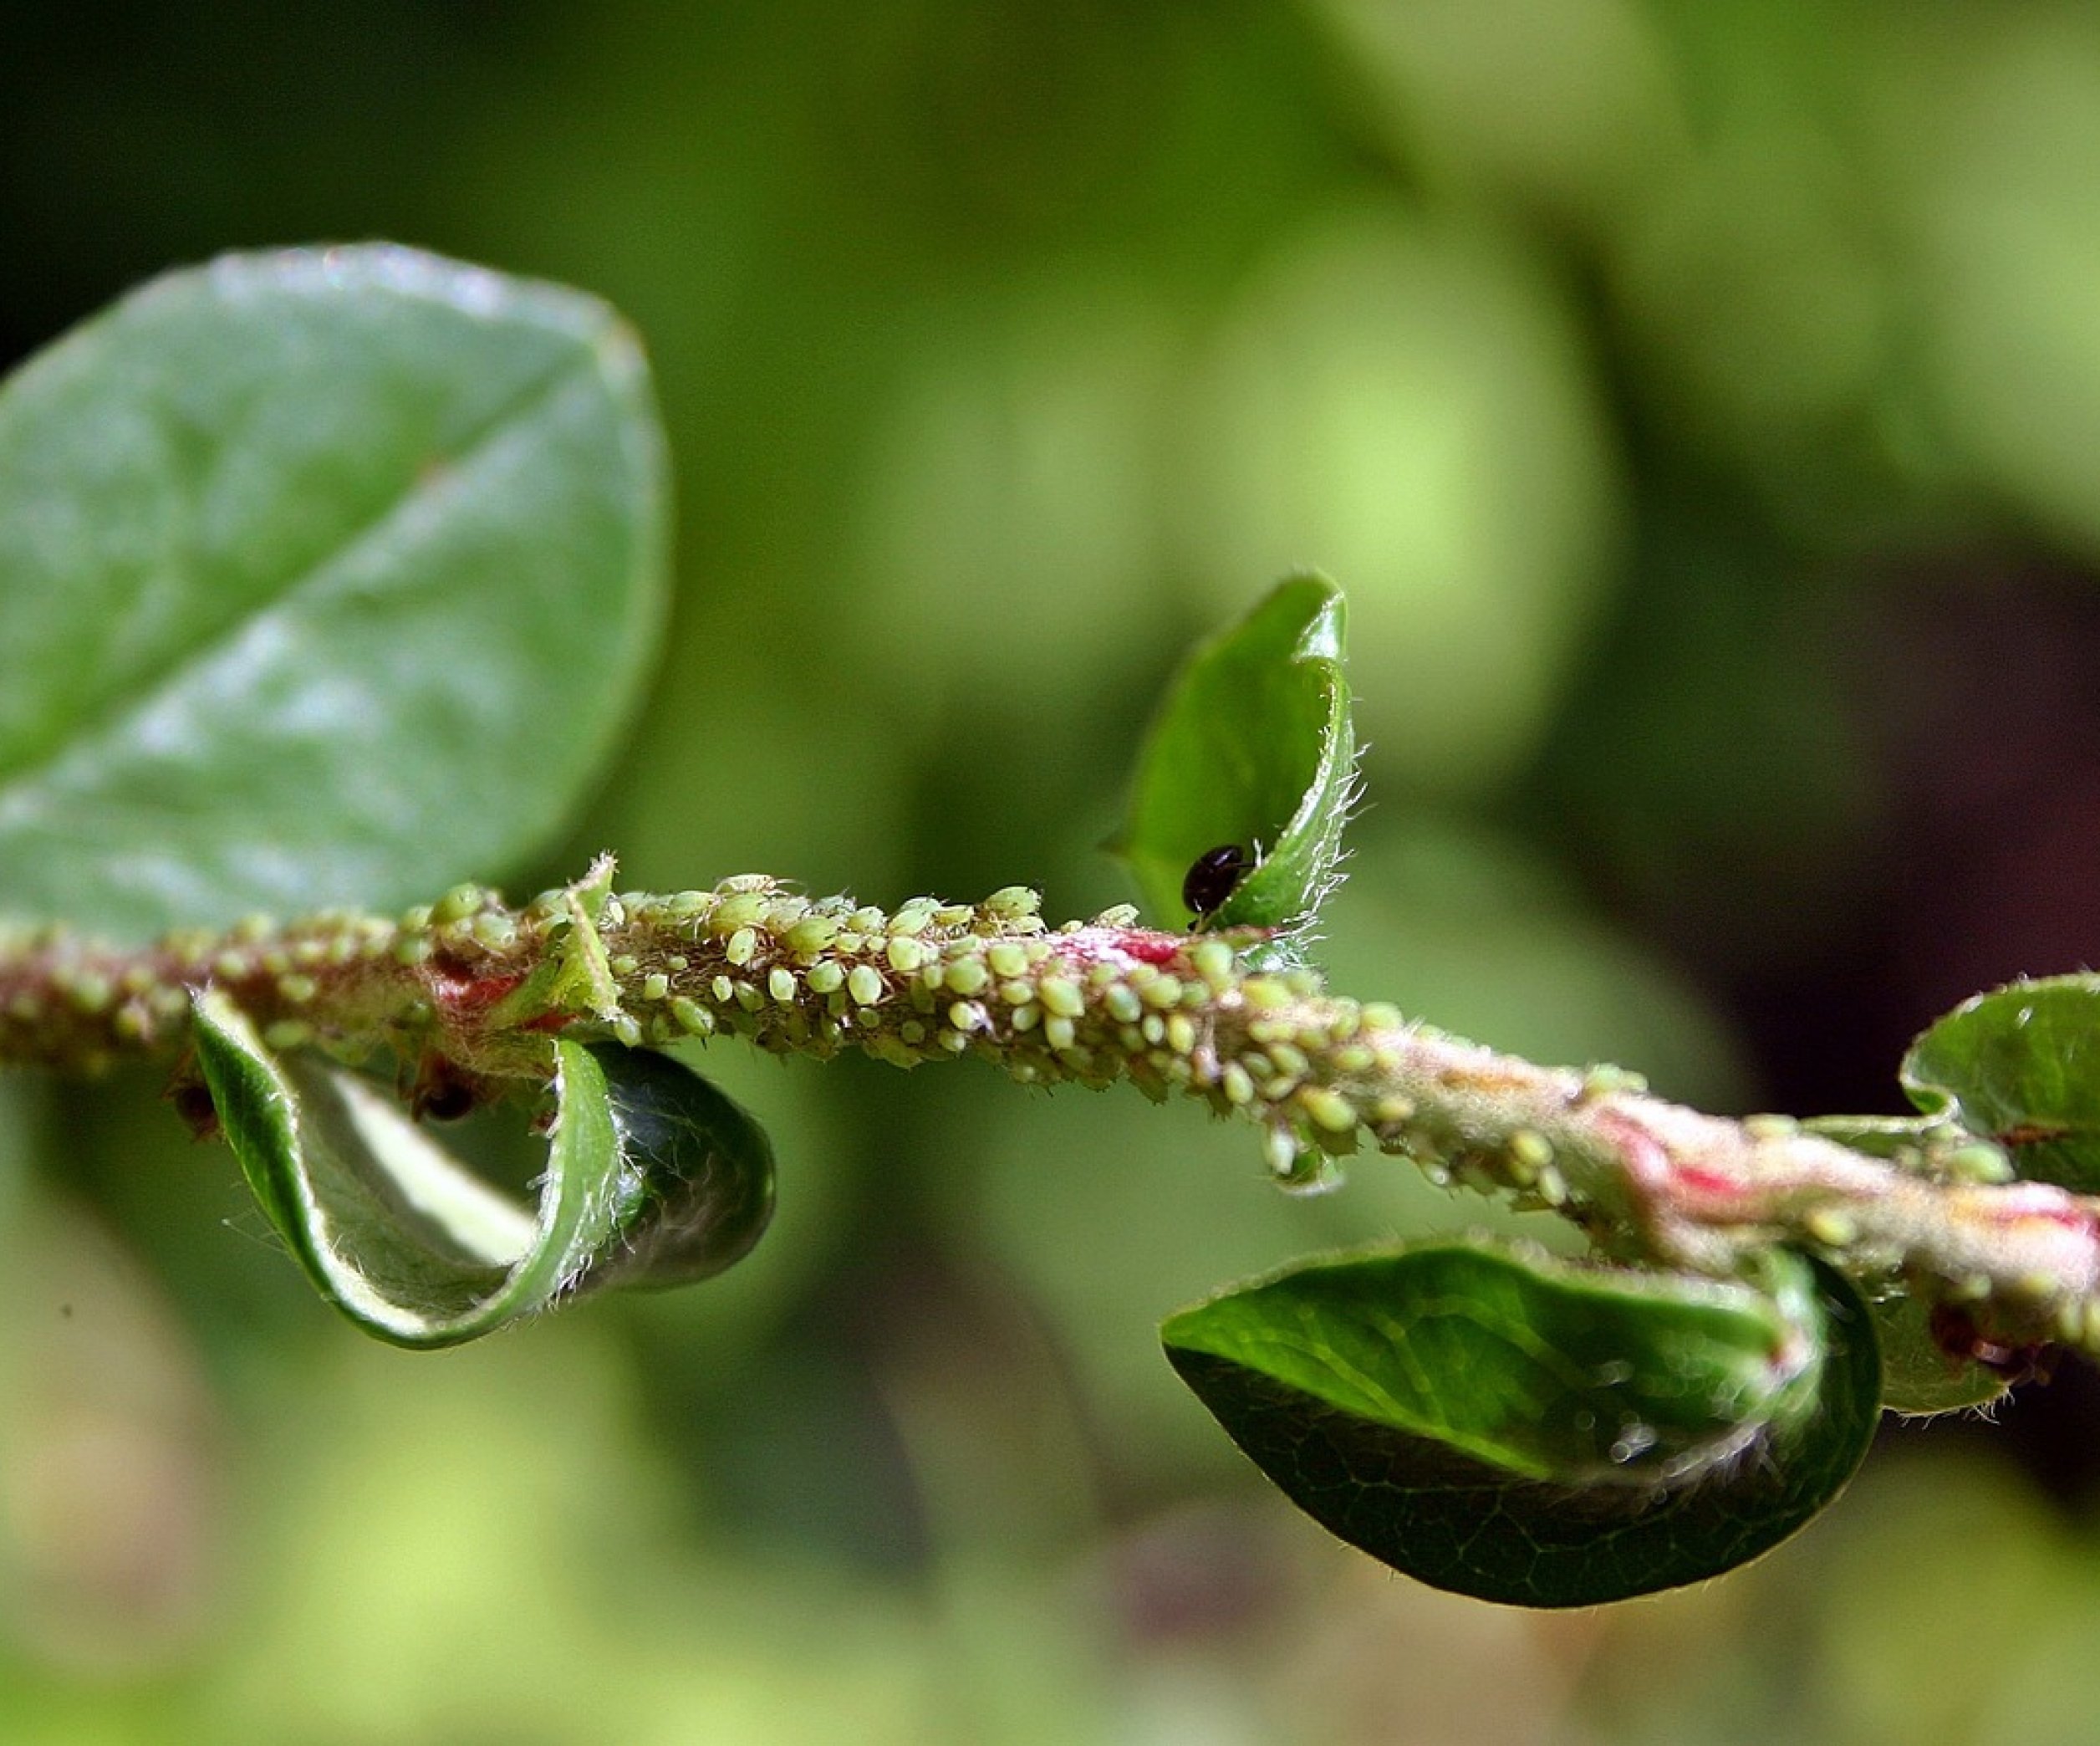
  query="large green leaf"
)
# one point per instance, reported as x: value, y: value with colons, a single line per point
x: 1253, y: 749
x: 2021, y: 1066
x: 326, y: 576
x: 652, y: 1177
x: 1526, y: 1432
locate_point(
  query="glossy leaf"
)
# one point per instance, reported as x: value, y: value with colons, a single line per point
x: 2021, y: 1066
x: 326, y: 576
x: 1253, y: 749
x: 652, y: 1177
x: 1526, y: 1432
x: 693, y: 1191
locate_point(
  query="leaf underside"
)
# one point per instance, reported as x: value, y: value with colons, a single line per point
x: 653, y: 1177
x: 1526, y: 1433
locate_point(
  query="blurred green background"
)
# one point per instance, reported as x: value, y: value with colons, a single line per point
x: 1701, y: 400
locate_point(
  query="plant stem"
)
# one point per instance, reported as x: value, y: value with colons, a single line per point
x: 470, y: 990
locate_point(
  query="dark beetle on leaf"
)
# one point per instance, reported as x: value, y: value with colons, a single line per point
x: 1213, y: 876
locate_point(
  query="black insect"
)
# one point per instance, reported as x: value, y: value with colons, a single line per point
x: 192, y: 1100
x: 444, y: 1091
x: 1213, y: 876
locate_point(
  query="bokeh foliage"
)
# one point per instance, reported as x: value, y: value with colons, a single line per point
x: 1658, y: 378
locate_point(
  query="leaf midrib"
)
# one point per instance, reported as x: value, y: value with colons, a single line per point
x: 107, y: 716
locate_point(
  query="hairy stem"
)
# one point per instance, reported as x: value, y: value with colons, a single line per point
x: 468, y: 990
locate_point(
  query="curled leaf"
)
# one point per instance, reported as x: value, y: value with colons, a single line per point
x: 1526, y: 1432
x: 1246, y: 780
x: 693, y: 1191
x: 652, y: 1177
